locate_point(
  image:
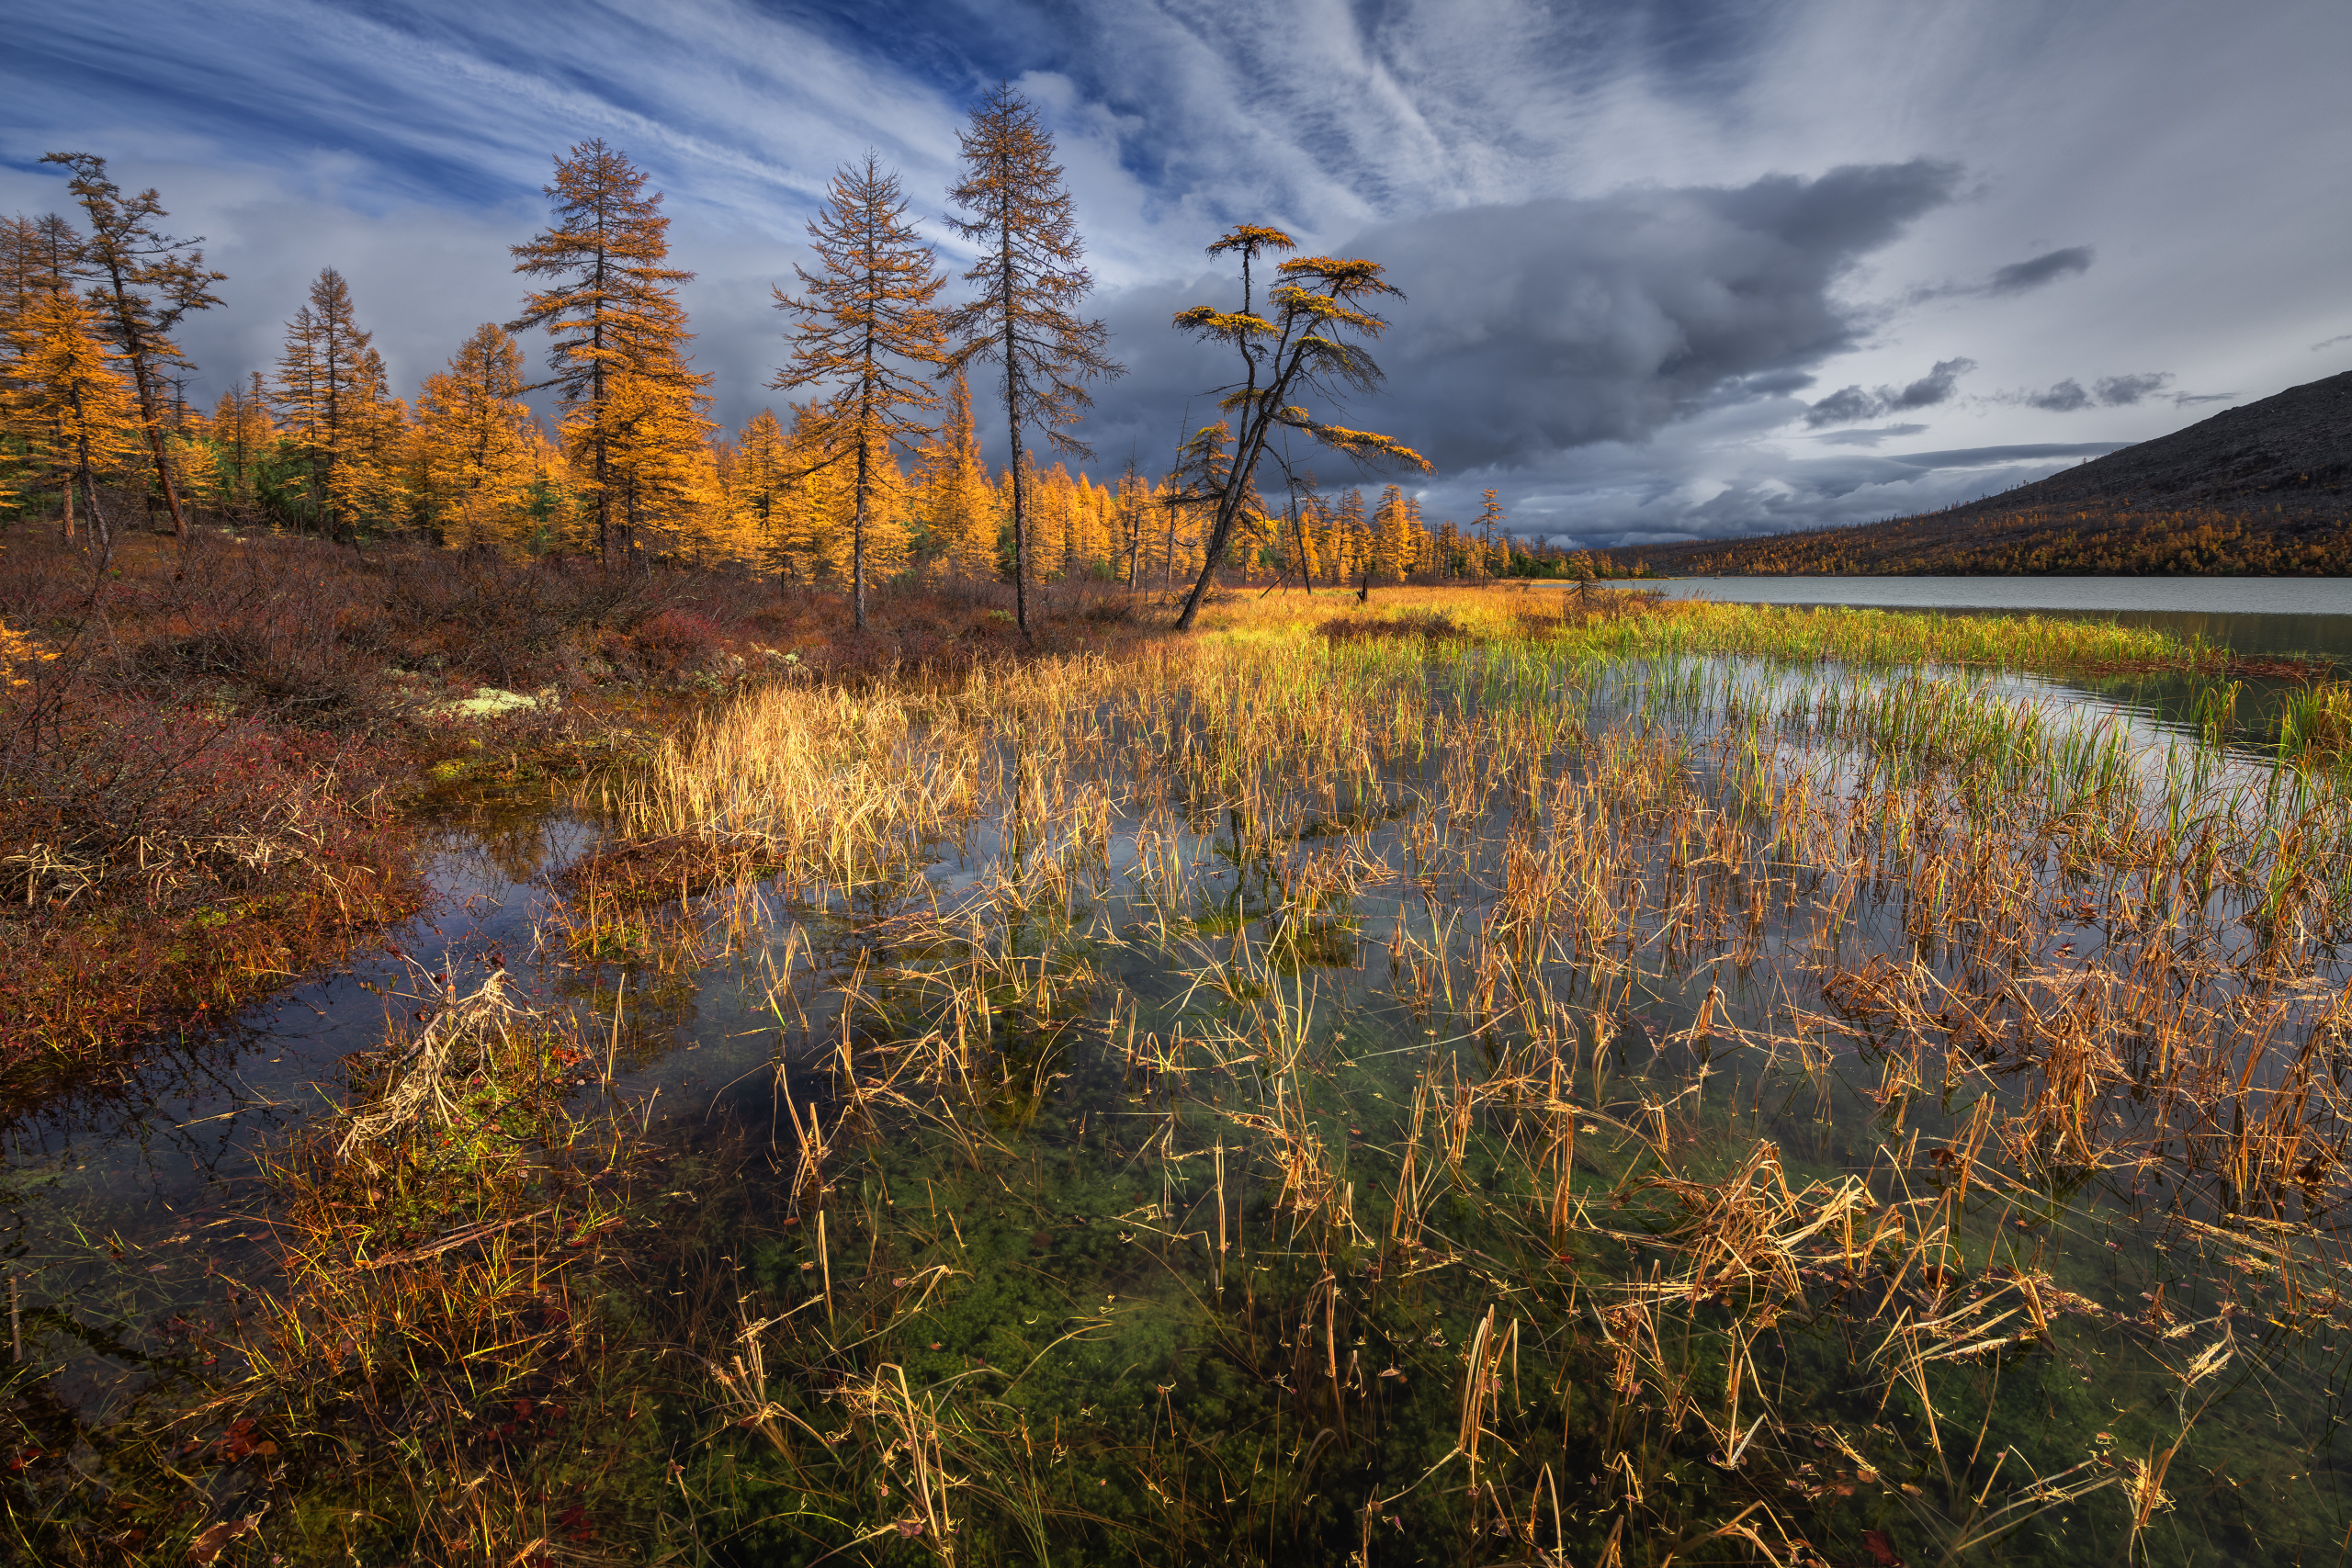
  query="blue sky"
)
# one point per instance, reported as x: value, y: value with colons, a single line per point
x: 1674, y: 269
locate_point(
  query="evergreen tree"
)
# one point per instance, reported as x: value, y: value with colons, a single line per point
x: 619, y: 336
x: 867, y: 319
x: 146, y: 282
x: 1029, y: 280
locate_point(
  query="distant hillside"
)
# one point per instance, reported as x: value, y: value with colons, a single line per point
x: 2265, y: 490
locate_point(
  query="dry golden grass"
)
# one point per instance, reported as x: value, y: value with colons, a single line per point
x: 1550, y: 837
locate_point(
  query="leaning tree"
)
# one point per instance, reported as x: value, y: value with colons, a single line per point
x: 1308, y: 345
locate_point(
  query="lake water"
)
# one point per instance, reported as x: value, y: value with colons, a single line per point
x: 1302, y: 1094
x: 2254, y: 616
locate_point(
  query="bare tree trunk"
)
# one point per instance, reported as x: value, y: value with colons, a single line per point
x: 857, y: 538
x: 99, y: 528
x: 140, y: 375
x: 1013, y: 419
x: 1229, y: 512
x: 1020, y: 538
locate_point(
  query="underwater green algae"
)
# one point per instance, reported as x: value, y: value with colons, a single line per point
x: 1488, y: 1107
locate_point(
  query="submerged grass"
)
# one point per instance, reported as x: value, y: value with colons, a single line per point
x: 418, y: 1362
x: 1458, y: 1080
x: 1144, y: 1051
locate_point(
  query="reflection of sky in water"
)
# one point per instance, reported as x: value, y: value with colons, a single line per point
x: 2254, y: 615
x: 188, y: 1122
x: 173, y: 1147
x: 176, y: 1150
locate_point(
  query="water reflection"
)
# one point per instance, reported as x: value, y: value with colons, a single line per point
x: 1379, y: 985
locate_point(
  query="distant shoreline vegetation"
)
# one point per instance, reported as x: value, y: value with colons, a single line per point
x: 2083, y: 543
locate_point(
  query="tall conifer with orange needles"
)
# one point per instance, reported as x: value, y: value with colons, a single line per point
x: 339, y: 411
x: 146, y: 281
x: 1491, y: 521
x: 620, y: 334
x: 475, y: 438
x: 760, y: 485
x: 241, y: 433
x: 39, y: 259
x: 867, y: 319
x: 1303, y: 350
x: 1029, y: 277
x: 957, y: 497
x: 67, y: 398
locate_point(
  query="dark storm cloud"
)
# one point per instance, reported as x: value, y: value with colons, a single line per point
x: 2065, y: 398
x: 1551, y: 324
x: 1869, y: 438
x: 2123, y: 392
x: 1846, y: 406
x: 1622, y: 495
x: 2109, y: 391
x: 1987, y: 456
x: 1851, y: 404
x: 1936, y: 387
x: 2018, y: 278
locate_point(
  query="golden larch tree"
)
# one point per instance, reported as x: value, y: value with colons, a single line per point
x: 957, y: 499
x: 1494, y: 558
x: 761, y: 477
x: 145, y: 282
x: 1049, y: 502
x: 1312, y: 347
x: 1029, y: 277
x: 335, y: 409
x: 867, y: 328
x: 242, y: 435
x: 38, y: 257
x: 67, y: 399
x: 475, y: 438
x: 632, y: 406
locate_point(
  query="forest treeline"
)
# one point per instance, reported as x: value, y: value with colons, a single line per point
x: 873, y: 473
x: 2083, y: 542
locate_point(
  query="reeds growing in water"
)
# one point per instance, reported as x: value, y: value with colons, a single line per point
x: 1600, y: 1083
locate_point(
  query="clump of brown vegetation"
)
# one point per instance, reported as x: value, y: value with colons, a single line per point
x: 1425, y: 626
x: 418, y: 1363
x: 1555, y: 1178
x: 207, y: 754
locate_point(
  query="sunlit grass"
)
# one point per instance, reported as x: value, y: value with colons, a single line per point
x: 1477, y: 1076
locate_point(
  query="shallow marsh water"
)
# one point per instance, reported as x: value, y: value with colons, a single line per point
x: 1224, y: 1172
x: 2254, y: 616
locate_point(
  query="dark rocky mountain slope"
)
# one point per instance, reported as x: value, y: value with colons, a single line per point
x: 2263, y: 489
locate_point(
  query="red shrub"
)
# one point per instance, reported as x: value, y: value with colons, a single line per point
x: 674, y: 642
